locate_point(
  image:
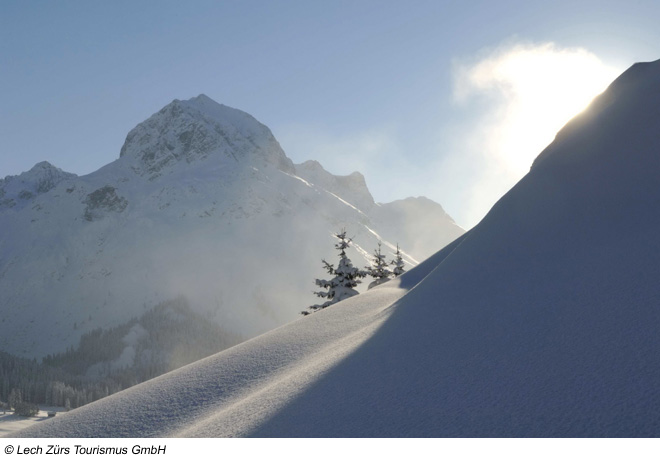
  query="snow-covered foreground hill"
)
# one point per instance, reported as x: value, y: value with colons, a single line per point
x: 541, y: 321
x: 202, y: 204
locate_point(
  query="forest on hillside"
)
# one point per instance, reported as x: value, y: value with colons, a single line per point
x: 106, y: 361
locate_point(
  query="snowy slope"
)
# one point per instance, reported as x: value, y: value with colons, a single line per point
x: 202, y: 204
x: 541, y: 321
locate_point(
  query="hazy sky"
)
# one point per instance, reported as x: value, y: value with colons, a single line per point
x: 451, y: 100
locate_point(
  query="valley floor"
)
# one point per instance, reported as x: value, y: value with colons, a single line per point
x: 9, y: 422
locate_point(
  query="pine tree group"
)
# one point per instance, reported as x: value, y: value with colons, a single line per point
x: 345, y: 277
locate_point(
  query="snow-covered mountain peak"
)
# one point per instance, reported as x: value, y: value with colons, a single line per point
x: 200, y: 129
x: 310, y: 165
x: 41, y: 178
x: 352, y: 186
x: 420, y: 203
x: 43, y: 170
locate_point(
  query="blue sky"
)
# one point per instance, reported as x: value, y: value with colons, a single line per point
x: 406, y: 92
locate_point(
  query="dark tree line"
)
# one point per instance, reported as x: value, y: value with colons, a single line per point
x: 36, y: 383
x: 109, y: 360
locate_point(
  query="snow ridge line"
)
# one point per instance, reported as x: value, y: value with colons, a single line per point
x: 410, y: 260
x: 299, y: 178
x: 345, y: 202
x: 326, y: 191
x: 255, y: 404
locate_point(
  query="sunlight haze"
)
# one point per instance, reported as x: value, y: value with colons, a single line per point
x: 532, y: 90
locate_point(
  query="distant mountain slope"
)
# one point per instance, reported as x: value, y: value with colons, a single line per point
x: 541, y: 321
x: 18, y: 191
x: 202, y: 204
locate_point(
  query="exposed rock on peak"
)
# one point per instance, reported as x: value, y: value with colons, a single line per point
x: 102, y: 200
x: 197, y: 129
x: 41, y: 178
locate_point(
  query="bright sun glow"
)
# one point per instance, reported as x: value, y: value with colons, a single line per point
x: 522, y: 95
x: 538, y: 89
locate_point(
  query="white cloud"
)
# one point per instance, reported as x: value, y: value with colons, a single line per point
x: 522, y: 94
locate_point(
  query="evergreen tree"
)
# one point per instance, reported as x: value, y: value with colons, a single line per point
x: 26, y: 409
x: 15, y: 398
x: 398, y: 263
x: 345, y: 277
x: 379, y: 269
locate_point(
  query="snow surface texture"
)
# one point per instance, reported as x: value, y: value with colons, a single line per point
x: 202, y: 203
x: 541, y: 321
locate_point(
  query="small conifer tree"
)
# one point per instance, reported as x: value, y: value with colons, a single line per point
x: 15, y: 398
x: 398, y: 263
x: 26, y: 409
x: 345, y: 277
x: 379, y: 269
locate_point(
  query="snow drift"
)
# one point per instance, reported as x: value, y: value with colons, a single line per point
x: 541, y: 321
